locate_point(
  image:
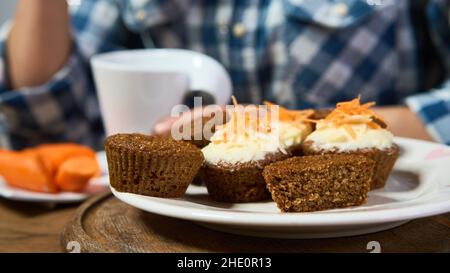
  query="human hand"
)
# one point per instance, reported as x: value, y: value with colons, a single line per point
x: 168, y: 125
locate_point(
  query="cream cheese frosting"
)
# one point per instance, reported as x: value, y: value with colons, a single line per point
x: 254, y: 146
x: 293, y: 134
x: 248, y: 136
x: 328, y: 136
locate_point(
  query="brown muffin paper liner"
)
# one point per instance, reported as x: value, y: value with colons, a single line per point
x: 384, y: 160
x: 150, y: 174
x: 238, y: 183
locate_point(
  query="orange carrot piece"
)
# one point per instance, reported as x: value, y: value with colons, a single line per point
x: 74, y: 173
x: 373, y: 125
x: 47, y: 165
x: 292, y: 115
x: 354, y: 107
x: 53, y: 155
x: 24, y: 170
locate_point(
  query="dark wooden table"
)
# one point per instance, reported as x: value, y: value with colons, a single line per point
x: 29, y: 227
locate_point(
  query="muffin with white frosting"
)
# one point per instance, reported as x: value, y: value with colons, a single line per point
x: 353, y: 128
x: 294, y: 127
x: 241, y: 148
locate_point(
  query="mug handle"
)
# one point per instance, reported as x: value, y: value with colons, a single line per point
x: 206, y: 98
x: 210, y: 77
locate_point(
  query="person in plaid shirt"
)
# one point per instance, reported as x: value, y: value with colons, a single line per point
x: 298, y: 53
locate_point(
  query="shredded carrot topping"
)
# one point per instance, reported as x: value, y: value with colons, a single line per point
x: 351, y: 112
x: 292, y: 115
x: 243, y: 121
x: 345, y: 114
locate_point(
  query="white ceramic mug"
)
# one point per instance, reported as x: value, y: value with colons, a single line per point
x: 136, y: 88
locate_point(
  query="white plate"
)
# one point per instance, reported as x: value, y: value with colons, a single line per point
x: 95, y: 186
x: 418, y: 187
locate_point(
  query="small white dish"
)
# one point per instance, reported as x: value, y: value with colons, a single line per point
x: 95, y: 186
x: 418, y: 187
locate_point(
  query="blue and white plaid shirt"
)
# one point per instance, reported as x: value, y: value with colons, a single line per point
x: 298, y: 53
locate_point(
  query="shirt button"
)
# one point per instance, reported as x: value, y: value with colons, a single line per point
x: 340, y: 9
x: 239, y: 30
x: 141, y: 14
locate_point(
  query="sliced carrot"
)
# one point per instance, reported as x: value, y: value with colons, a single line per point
x: 47, y: 165
x: 25, y: 170
x: 53, y: 155
x: 74, y: 173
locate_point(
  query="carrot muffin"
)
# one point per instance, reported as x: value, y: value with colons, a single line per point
x: 151, y: 165
x: 312, y: 183
x: 198, y: 126
x: 355, y: 129
x: 238, y: 152
x: 294, y: 126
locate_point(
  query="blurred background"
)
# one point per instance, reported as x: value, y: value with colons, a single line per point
x: 6, y: 9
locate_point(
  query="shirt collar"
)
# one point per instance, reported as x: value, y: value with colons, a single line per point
x: 329, y: 13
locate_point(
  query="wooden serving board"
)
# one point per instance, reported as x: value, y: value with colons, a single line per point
x: 105, y: 224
